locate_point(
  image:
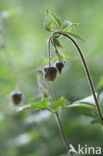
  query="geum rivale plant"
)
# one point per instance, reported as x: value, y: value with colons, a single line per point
x: 88, y: 106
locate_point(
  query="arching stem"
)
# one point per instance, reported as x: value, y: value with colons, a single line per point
x: 51, y: 40
x: 56, y: 50
x: 86, y: 71
x: 24, y: 76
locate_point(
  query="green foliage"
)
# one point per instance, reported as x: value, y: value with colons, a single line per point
x: 52, y: 22
x: 39, y: 105
x: 76, y: 36
x: 44, y: 62
x: 96, y: 121
x: 66, y: 27
x: 67, y: 24
x: 58, y: 44
x: 60, y: 102
x: 84, y: 106
x: 80, y: 105
x: 45, y: 104
x: 100, y: 83
x: 48, y: 26
x: 84, y: 109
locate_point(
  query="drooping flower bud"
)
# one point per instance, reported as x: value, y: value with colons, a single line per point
x: 16, y: 98
x: 50, y: 73
x: 59, y: 65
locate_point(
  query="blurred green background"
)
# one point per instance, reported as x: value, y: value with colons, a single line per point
x: 22, y: 48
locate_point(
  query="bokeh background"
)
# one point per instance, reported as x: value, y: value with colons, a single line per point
x: 23, y: 48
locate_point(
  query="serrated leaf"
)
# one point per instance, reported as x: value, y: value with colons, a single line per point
x: 76, y: 36
x: 54, y: 19
x: 60, y: 102
x: 39, y: 105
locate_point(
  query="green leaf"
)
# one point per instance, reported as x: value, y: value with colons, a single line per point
x: 100, y: 83
x: 84, y: 109
x: 54, y: 19
x: 55, y: 58
x: 98, y: 121
x: 65, y: 58
x: 58, y: 44
x: 56, y: 36
x: 60, y: 102
x: 80, y: 105
x: 44, y: 62
x: 39, y: 105
x: 88, y: 100
x: 62, y: 56
x: 67, y: 26
x: 76, y: 36
x: 68, y: 29
x: 100, y: 99
x: 48, y: 26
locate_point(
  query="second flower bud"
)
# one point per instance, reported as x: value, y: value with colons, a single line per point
x: 50, y: 73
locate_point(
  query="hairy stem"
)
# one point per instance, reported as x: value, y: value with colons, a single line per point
x: 56, y: 50
x: 67, y: 145
x: 40, y: 86
x: 45, y: 140
x: 49, y: 51
x: 87, y: 72
x: 24, y: 76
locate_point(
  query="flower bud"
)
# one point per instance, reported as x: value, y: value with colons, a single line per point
x: 50, y: 73
x: 59, y: 65
x: 16, y: 98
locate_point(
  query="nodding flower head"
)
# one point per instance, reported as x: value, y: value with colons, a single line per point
x: 50, y: 73
x: 59, y: 65
x: 16, y: 98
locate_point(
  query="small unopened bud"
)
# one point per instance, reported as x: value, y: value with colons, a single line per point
x: 59, y: 65
x: 16, y: 98
x: 50, y: 73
